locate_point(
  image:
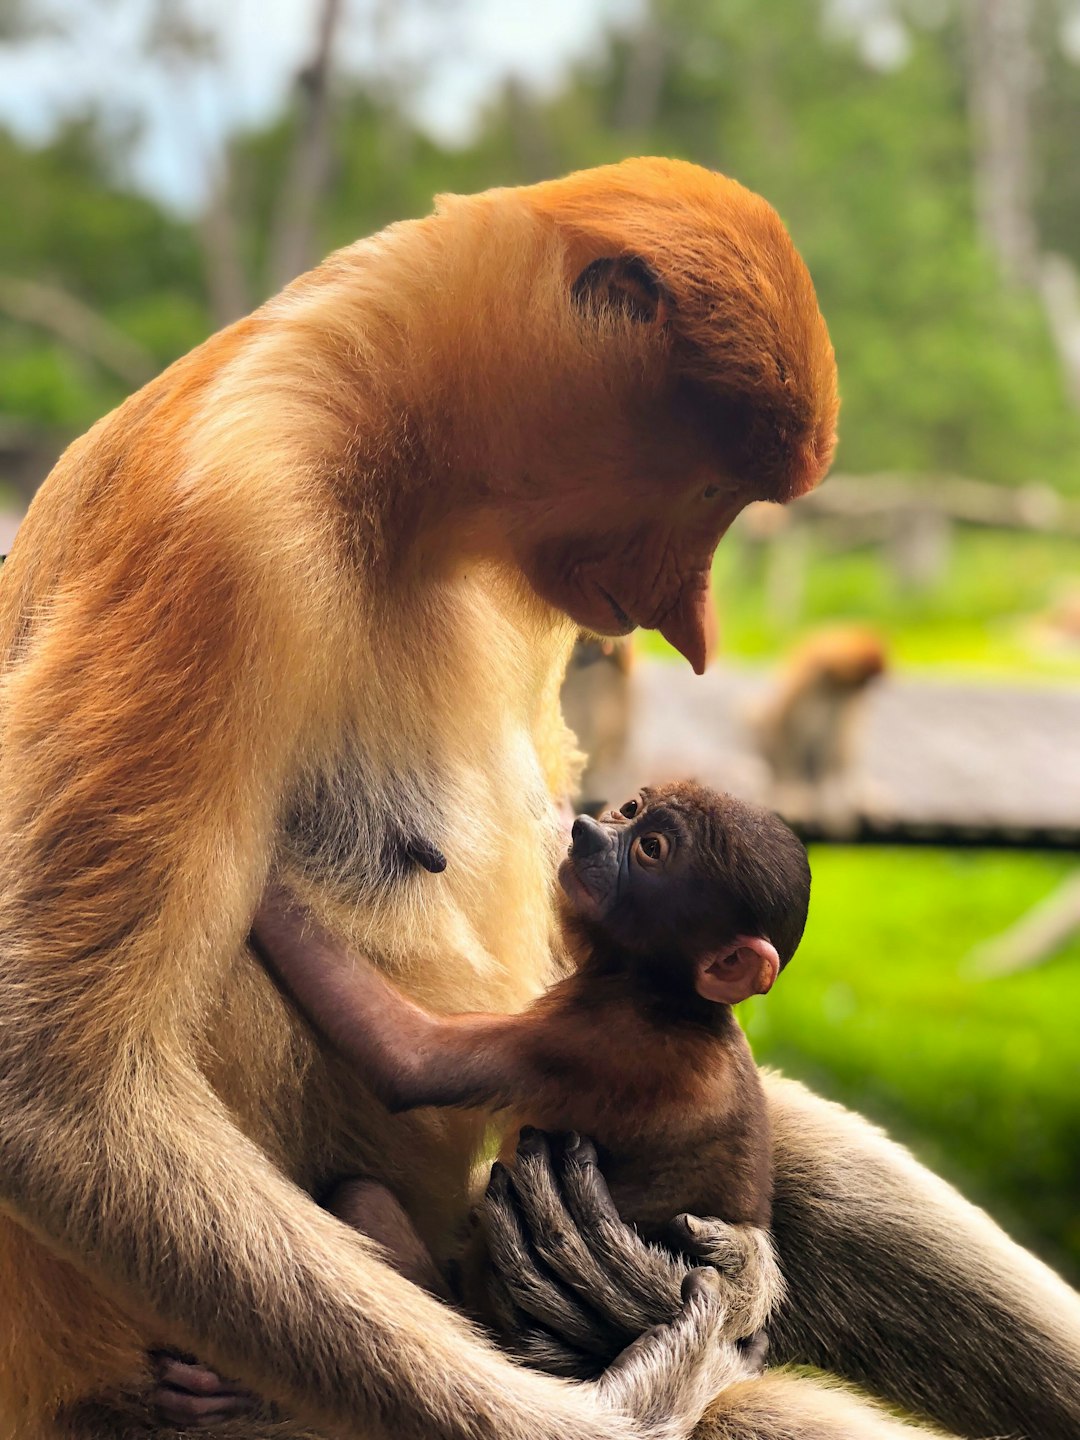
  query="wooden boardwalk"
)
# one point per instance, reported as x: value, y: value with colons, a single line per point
x: 960, y: 761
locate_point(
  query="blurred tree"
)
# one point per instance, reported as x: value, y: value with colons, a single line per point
x: 184, y: 45
x: 1002, y: 78
x: 98, y: 287
x: 304, y: 181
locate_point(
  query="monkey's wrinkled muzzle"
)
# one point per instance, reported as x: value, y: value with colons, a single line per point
x: 589, y: 873
x: 690, y: 624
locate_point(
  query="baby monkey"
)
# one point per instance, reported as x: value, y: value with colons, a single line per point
x: 676, y: 906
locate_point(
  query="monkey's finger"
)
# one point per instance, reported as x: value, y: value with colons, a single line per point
x: 530, y: 1289
x: 558, y: 1242
x: 709, y: 1242
x: 755, y: 1351
x: 509, y: 1320
x: 649, y: 1275
x: 700, y: 1287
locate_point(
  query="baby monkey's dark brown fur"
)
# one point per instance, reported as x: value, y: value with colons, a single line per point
x: 677, y: 905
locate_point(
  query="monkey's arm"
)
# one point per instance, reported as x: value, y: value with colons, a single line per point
x: 897, y: 1282
x: 408, y: 1056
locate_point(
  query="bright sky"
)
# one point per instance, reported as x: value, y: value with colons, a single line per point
x: 463, y: 48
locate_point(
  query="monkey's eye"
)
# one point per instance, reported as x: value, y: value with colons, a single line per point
x: 630, y: 809
x: 650, y: 850
x: 710, y: 492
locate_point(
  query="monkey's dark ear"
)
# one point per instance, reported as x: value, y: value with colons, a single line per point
x: 748, y: 966
x: 626, y: 283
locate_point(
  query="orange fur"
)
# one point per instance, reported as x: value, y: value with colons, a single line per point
x: 301, y: 572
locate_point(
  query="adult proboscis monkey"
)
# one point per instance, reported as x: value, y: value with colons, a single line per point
x: 534, y: 410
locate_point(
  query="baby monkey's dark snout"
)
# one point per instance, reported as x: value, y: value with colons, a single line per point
x: 587, y: 838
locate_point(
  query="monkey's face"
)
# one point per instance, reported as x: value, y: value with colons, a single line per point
x: 629, y: 494
x: 638, y: 871
x: 694, y: 881
x: 654, y: 573
x: 692, y: 374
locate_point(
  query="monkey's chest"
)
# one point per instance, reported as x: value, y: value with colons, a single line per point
x: 439, y: 868
x: 665, y: 1152
x: 357, y: 828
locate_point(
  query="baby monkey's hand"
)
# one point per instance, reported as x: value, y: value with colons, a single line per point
x: 745, y: 1257
x: 573, y: 1284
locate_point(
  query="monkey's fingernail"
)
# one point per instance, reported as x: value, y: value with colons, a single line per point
x: 572, y: 1143
x: 530, y: 1141
x: 691, y: 1224
x: 498, y: 1178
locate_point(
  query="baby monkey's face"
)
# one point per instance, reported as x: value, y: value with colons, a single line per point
x: 634, y: 853
x: 715, y: 887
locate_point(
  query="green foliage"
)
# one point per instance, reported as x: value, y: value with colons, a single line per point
x: 979, y: 1076
x: 43, y: 381
x: 67, y: 223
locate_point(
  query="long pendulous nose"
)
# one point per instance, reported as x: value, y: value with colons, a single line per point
x: 587, y: 837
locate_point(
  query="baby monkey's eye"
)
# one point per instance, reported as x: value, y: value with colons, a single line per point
x: 650, y: 850
x: 630, y: 809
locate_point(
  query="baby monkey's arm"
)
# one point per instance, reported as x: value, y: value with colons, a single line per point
x: 408, y: 1056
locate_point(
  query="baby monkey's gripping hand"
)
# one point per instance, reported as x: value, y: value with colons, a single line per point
x: 572, y: 1285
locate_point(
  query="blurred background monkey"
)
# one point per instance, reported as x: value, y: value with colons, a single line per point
x: 810, y: 727
x: 597, y: 703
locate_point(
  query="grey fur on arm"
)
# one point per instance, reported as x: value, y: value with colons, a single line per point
x: 573, y: 1285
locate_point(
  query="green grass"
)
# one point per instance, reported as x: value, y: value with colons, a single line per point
x: 981, y: 1077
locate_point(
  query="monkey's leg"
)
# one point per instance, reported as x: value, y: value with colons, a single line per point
x: 192, y: 1396
x: 898, y: 1283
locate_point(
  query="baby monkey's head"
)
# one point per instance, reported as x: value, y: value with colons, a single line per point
x: 701, y: 887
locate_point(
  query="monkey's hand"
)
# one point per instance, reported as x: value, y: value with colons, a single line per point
x: 571, y: 1284
x: 669, y: 1377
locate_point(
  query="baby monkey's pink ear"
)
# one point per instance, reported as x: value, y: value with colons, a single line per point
x: 748, y: 966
